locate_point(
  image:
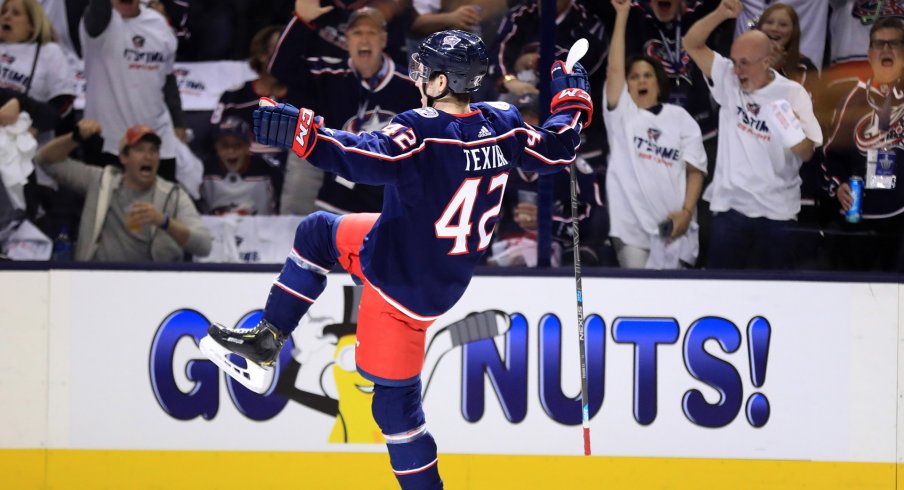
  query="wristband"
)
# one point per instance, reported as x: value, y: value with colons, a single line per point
x: 77, y: 136
x: 165, y: 224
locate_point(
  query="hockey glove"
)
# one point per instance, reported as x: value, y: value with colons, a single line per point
x: 285, y: 126
x: 570, y: 90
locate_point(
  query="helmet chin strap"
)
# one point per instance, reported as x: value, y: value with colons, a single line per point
x: 431, y: 100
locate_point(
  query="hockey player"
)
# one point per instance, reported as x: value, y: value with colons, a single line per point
x: 445, y: 166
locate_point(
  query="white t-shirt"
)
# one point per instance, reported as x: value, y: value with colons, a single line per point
x: 125, y: 70
x: 53, y: 74
x: 755, y: 174
x: 813, y: 15
x: 646, y: 178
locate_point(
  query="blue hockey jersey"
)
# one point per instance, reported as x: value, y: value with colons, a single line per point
x: 444, y: 177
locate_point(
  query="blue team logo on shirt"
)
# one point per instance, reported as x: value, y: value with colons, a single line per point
x: 138, y: 42
x: 753, y: 108
x: 653, y: 134
x: 372, y: 120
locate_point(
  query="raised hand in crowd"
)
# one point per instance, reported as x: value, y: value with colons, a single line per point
x: 308, y: 10
x: 88, y: 128
x: 730, y: 9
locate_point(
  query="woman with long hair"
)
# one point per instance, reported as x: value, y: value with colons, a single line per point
x: 781, y: 23
x: 35, y: 77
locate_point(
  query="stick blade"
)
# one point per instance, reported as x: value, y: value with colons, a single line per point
x: 577, y: 51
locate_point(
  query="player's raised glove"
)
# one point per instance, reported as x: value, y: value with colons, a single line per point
x: 285, y: 126
x: 570, y: 90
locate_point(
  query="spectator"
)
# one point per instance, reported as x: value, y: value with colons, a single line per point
x: 34, y: 74
x: 865, y: 141
x: 781, y: 23
x: 37, y: 79
x: 766, y: 129
x: 656, y: 162
x: 242, y: 101
x: 129, y: 52
x: 235, y: 180
x: 329, y: 25
x: 813, y: 17
x: 519, y: 35
x: 655, y: 29
x: 130, y: 215
x: 362, y: 91
x: 515, y: 239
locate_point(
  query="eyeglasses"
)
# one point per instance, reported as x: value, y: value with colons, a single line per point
x: 879, y: 44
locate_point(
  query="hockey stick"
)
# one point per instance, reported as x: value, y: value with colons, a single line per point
x: 577, y: 52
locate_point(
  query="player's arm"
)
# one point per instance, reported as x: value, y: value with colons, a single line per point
x: 695, y: 39
x: 555, y: 143
x: 368, y: 158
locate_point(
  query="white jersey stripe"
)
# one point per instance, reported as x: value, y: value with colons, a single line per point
x: 405, y: 437
x: 416, y: 470
x: 306, y: 264
x: 292, y: 291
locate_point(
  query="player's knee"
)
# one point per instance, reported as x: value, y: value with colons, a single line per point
x: 412, y: 450
x: 314, y: 239
x: 397, y: 409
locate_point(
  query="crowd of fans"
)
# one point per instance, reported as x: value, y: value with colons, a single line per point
x: 728, y: 132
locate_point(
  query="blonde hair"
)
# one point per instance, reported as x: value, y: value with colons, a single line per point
x: 42, y: 31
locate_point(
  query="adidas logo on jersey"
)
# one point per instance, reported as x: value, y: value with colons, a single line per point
x: 484, y: 132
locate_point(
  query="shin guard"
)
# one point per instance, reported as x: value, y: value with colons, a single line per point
x: 412, y: 450
x: 303, y: 276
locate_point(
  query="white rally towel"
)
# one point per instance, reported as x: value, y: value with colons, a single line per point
x: 24, y: 241
x: 17, y: 149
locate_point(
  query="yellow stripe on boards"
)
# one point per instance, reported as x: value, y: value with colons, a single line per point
x: 59, y: 469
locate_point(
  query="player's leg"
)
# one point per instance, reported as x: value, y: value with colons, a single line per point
x: 412, y: 451
x: 301, y: 281
x: 390, y: 352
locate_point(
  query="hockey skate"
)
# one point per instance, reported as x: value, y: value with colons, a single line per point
x: 258, y: 347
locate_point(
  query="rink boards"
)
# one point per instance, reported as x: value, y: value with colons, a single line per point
x: 692, y: 384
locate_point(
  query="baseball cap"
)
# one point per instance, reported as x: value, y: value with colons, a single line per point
x: 234, y: 126
x: 367, y: 13
x: 137, y: 133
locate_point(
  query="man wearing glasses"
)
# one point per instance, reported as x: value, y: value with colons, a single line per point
x: 766, y: 130
x: 865, y: 140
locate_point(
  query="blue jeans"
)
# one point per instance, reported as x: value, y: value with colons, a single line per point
x: 739, y: 242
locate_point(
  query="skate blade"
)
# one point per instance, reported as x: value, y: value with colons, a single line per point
x: 252, y: 376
